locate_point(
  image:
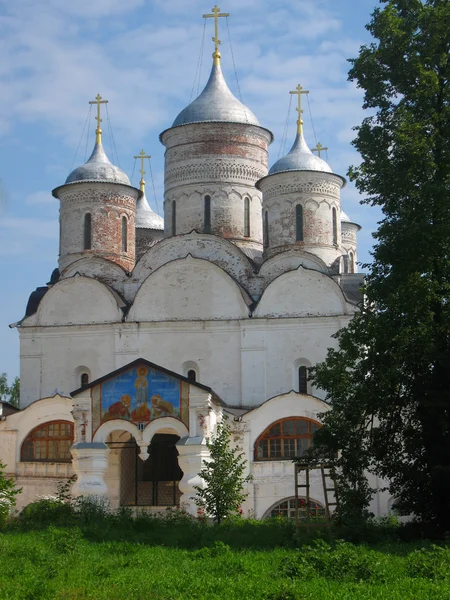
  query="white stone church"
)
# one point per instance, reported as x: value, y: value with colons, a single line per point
x: 152, y: 330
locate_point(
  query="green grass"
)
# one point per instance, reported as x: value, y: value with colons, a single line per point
x: 118, y: 558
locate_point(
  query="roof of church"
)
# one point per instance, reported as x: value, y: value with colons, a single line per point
x: 300, y: 158
x: 346, y: 219
x: 216, y: 103
x: 145, y: 217
x: 98, y: 168
x: 143, y: 361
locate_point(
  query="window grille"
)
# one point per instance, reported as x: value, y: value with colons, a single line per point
x: 285, y: 439
x: 49, y: 443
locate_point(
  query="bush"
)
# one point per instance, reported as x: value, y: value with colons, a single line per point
x: 46, y: 511
x: 8, y: 493
x: 430, y: 563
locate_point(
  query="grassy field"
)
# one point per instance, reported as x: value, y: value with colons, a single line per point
x: 119, y: 558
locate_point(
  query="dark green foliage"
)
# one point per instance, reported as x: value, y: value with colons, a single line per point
x: 224, y: 477
x: 10, y: 393
x: 389, y: 380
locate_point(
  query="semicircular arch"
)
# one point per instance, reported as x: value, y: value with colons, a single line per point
x: 105, y: 429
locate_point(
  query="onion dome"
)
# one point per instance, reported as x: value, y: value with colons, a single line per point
x: 145, y: 217
x: 300, y: 158
x: 98, y: 168
x: 216, y: 104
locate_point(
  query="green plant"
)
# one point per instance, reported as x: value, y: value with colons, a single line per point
x: 8, y: 493
x: 430, y: 563
x: 224, y: 477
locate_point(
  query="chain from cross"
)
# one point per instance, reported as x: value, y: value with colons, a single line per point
x: 98, y: 132
x: 215, y: 15
x: 299, y: 91
x: 319, y: 148
x: 142, y: 171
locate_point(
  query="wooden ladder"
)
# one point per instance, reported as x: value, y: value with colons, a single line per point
x: 329, y: 487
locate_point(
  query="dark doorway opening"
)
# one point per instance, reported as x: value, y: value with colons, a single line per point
x: 153, y: 482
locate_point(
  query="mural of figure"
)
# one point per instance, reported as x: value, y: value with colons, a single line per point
x: 141, y: 385
x: 162, y: 408
x: 119, y: 410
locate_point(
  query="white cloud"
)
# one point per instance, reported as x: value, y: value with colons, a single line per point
x: 40, y: 198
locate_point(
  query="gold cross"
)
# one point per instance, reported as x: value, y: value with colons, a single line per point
x: 142, y: 156
x: 319, y: 148
x: 98, y: 132
x: 299, y: 91
x: 215, y: 15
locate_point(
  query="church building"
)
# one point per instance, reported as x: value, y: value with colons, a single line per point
x: 152, y: 330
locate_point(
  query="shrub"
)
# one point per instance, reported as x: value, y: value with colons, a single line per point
x: 430, y: 563
x: 8, y: 493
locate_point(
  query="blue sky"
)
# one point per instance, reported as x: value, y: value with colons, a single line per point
x: 142, y: 55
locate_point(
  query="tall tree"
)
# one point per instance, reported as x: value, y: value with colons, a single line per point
x: 389, y: 380
x: 223, y: 475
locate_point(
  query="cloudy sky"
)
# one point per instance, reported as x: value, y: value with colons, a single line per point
x: 143, y: 56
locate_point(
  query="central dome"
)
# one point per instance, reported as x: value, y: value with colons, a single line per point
x: 216, y: 104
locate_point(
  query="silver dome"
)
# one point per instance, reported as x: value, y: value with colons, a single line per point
x: 300, y: 158
x: 98, y: 168
x: 344, y: 217
x: 145, y: 217
x: 216, y: 103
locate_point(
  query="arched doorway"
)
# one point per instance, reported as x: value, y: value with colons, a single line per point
x: 155, y: 481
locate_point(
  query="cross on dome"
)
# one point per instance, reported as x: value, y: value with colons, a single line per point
x: 319, y: 148
x: 98, y: 132
x: 299, y: 91
x: 215, y: 15
x: 142, y: 156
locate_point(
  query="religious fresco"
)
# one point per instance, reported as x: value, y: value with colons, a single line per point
x: 141, y: 395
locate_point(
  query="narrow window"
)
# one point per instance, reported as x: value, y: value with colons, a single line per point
x: 302, y: 380
x: 124, y: 234
x: 247, y: 217
x: 174, y: 217
x: 207, y: 226
x: 345, y: 259
x: 84, y: 379
x: 334, y: 227
x: 351, y: 263
x: 192, y: 375
x: 87, y: 231
x: 266, y: 229
x: 299, y: 223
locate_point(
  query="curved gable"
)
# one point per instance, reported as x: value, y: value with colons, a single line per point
x: 188, y: 289
x: 221, y: 252
x: 302, y: 293
x: 98, y: 268
x: 79, y: 301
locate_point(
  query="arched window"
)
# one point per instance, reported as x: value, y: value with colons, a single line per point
x: 351, y: 263
x: 174, y: 217
x: 48, y: 443
x: 207, y: 225
x: 246, y: 217
x: 87, y: 234
x: 299, y: 223
x: 124, y: 235
x: 286, y: 508
x: 303, y: 380
x: 285, y: 439
x: 266, y: 229
x: 84, y: 379
x: 335, y: 232
x: 192, y: 375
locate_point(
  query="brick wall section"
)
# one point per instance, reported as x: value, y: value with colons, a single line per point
x: 318, y: 194
x: 224, y: 161
x: 107, y: 204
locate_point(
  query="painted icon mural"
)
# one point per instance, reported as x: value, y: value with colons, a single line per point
x: 141, y: 394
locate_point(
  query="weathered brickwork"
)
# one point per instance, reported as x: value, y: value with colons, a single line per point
x: 318, y: 194
x: 108, y: 204
x: 220, y: 160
